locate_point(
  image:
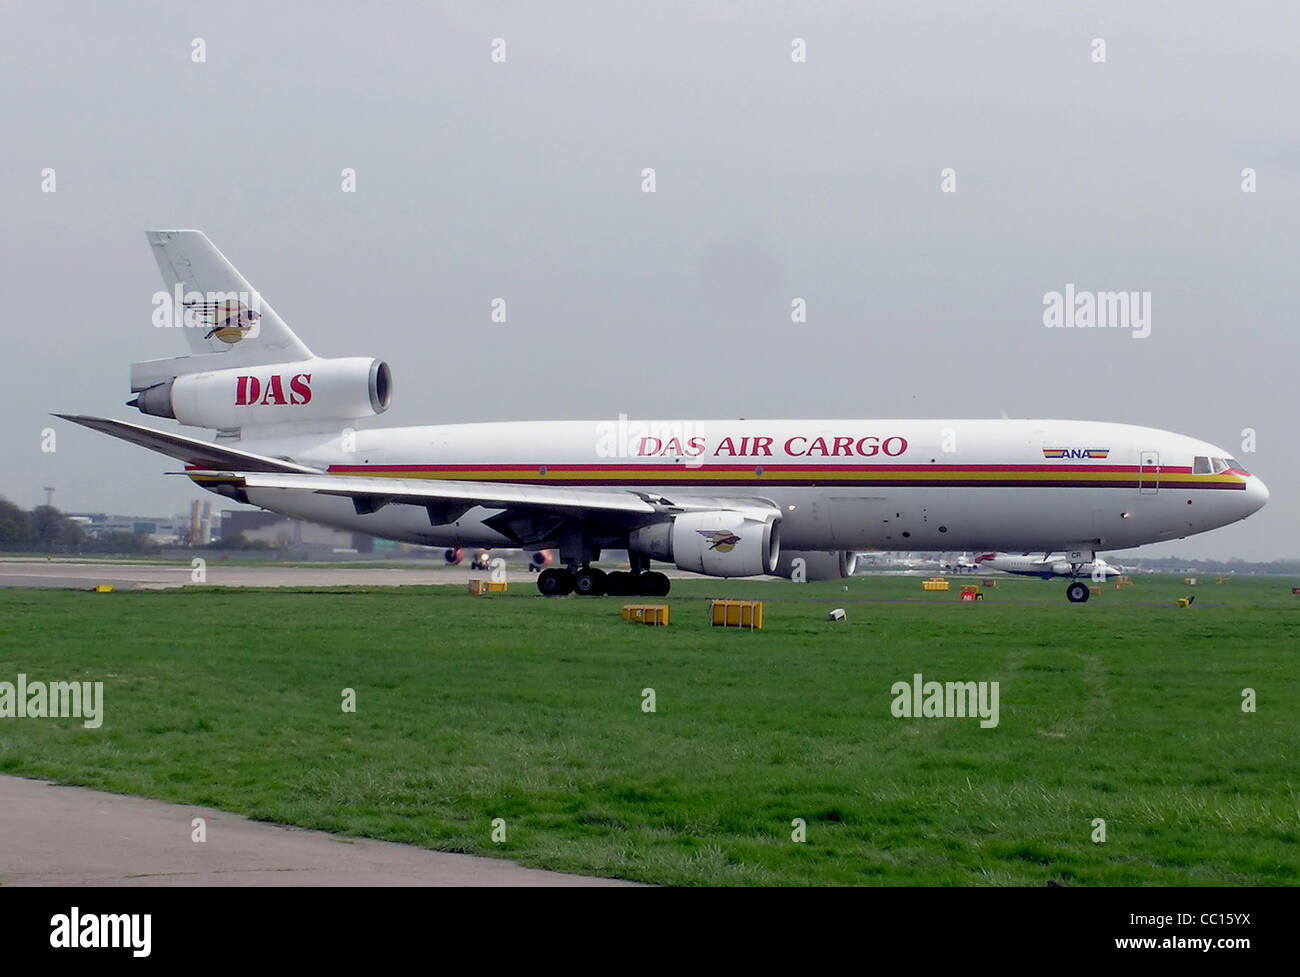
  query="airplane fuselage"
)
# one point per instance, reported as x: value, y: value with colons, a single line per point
x: 1023, y: 485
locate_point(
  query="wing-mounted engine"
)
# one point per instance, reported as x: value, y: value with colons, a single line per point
x: 720, y: 543
x: 818, y: 566
x: 342, y: 389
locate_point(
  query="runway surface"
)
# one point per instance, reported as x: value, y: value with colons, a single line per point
x: 54, y: 835
x: 155, y: 576
x: 37, y: 573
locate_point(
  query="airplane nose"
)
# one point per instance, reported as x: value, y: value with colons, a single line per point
x: 1256, y: 493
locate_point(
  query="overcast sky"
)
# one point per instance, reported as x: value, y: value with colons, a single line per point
x: 776, y: 179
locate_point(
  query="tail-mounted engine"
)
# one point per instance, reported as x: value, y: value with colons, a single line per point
x: 309, y: 390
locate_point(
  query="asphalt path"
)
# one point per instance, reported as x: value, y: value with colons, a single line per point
x: 53, y: 835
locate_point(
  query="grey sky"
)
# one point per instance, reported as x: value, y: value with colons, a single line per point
x: 774, y: 180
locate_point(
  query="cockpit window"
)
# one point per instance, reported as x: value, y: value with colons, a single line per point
x: 1202, y: 465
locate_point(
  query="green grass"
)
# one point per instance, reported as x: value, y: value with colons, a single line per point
x: 1127, y: 708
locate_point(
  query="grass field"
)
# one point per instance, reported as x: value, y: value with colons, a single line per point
x: 1128, y: 709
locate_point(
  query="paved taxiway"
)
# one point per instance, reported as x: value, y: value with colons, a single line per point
x: 54, y: 835
x: 155, y: 576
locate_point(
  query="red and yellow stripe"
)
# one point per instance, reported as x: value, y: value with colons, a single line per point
x: 1029, y: 476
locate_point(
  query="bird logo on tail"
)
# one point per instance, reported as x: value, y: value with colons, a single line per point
x: 229, y: 320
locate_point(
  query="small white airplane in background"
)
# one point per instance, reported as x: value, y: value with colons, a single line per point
x: 960, y: 564
x: 1048, y: 566
x: 726, y: 498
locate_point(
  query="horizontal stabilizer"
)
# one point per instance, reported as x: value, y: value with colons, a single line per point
x: 192, y: 451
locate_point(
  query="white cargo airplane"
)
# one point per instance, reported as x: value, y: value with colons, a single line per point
x: 725, y: 498
x: 1048, y: 566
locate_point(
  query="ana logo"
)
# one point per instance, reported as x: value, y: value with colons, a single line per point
x: 723, y: 540
x: 229, y: 320
x: 1094, y: 453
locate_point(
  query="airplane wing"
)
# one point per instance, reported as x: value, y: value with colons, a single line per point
x: 375, y: 492
x: 192, y: 451
x: 529, y: 513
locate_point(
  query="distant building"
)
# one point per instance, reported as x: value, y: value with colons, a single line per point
x: 165, y: 531
x: 200, y: 526
x: 288, y: 533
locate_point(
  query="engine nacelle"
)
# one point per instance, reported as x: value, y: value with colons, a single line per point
x: 721, y: 543
x: 540, y: 561
x: 310, y: 390
x: 818, y: 566
x: 452, y: 557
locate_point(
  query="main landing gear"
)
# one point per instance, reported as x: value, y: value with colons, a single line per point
x: 587, y: 581
x: 1077, y: 593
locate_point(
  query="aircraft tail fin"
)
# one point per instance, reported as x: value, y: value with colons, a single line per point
x: 221, y: 314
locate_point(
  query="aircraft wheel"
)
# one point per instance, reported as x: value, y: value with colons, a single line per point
x: 619, y: 583
x: 589, y: 583
x: 555, y: 582
x: 1077, y: 593
x: 652, y: 583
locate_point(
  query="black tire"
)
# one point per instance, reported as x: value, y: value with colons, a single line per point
x: 589, y: 582
x: 554, y: 582
x: 1077, y: 593
x: 619, y: 583
x: 652, y: 583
